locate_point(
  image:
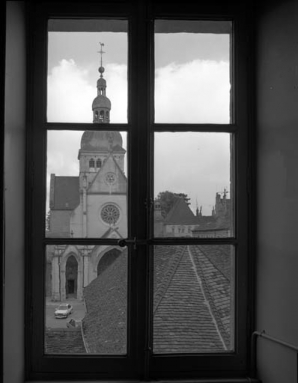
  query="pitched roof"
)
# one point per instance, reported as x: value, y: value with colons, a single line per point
x: 206, y: 223
x: 65, y: 194
x: 213, y: 265
x: 64, y: 341
x: 180, y: 214
x: 105, y: 325
x: 191, y: 303
x: 186, y: 318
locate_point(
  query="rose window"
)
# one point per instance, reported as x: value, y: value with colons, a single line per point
x: 110, y: 178
x: 110, y: 214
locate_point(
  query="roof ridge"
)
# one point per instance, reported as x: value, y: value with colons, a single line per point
x: 169, y: 275
x: 210, y: 260
x: 205, y: 286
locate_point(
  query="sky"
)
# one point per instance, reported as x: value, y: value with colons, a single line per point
x: 191, y: 86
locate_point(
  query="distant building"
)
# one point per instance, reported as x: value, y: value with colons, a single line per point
x: 182, y: 222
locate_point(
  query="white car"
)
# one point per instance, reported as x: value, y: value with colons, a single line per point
x: 63, y: 311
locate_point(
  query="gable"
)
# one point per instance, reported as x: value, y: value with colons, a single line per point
x: 109, y: 180
x: 180, y: 214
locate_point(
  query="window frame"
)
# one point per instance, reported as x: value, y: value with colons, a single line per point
x: 141, y: 76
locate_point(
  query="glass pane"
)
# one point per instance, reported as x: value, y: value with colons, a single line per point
x: 85, y: 300
x: 193, y: 185
x: 192, y: 71
x: 86, y: 184
x: 193, y: 307
x: 87, y: 71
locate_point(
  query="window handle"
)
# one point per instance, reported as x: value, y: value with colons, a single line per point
x: 132, y: 241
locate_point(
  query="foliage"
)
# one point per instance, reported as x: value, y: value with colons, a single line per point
x: 48, y: 220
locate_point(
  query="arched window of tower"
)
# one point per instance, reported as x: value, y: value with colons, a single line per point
x: 91, y: 164
x: 101, y: 115
x: 98, y: 163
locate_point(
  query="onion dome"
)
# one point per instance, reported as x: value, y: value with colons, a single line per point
x: 101, y: 103
x: 101, y: 141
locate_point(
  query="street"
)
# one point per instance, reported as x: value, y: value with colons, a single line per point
x: 78, y: 313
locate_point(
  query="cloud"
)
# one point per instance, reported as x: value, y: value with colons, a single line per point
x: 195, y: 92
x: 70, y: 94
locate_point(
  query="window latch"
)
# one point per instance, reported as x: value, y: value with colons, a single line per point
x: 132, y: 241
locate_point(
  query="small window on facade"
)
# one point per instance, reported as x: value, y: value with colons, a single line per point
x: 98, y: 163
x: 91, y: 163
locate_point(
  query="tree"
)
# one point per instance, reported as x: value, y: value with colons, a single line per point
x: 48, y: 221
x: 167, y: 200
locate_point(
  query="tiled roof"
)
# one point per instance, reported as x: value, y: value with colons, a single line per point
x: 180, y: 214
x: 64, y: 341
x: 105, y: 322
x: 215, y: 283
x: 206, y: 223
x: 191, y: 304
x: 66, y: 195
x: 184, y: 320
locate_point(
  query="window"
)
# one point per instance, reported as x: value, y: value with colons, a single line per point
x: 170, y: 123
x: 98, y: 163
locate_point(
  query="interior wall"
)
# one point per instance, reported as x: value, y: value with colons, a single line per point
x: 14, y: 154
x: 277, y: 187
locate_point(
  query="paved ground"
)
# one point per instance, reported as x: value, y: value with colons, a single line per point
x: 78, y: 313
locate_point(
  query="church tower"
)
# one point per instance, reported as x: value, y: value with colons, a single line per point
x: 101, y: 105
x: 96, y: 146
x: 102, y: 182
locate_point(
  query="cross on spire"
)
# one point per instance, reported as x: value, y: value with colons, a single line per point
x: 101, y: 69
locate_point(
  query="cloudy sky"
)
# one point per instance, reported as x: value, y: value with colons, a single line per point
x: 191, y: 86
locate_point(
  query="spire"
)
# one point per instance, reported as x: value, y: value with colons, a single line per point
x: 101, y: 69
x: 101, y: 105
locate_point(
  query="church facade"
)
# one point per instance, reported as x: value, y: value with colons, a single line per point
x: 90, y: 205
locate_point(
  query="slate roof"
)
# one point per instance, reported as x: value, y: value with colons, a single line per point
x: 191, y: 304
x: 64, y: 341
x: 104, y: 325
x: 66, y: 195
x: 205, y: 223
x: 180, y: 214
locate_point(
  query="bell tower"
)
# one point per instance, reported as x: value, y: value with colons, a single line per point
x: 97, y: 146
x: 101, y: 105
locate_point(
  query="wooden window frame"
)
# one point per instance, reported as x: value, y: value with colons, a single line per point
x: 140, y: 362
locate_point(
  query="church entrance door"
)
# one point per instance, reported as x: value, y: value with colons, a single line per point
x: 71, y: 274
x: 71, y: 286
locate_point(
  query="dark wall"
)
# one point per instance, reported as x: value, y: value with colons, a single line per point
x: 277, y: 187
x: 14, y: 161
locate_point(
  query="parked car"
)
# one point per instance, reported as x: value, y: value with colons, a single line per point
x: 72, y: 323
x: 63, y: 311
